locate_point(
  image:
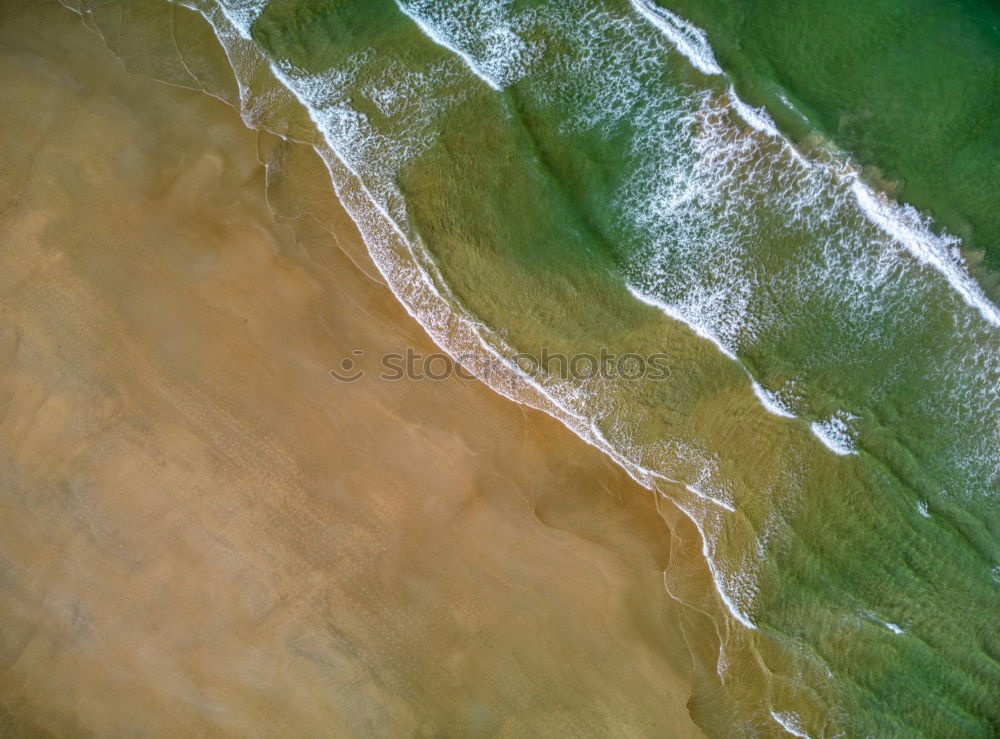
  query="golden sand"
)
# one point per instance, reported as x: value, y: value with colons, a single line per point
x: 203, y: 533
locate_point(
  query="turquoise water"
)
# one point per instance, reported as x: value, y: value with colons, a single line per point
x: 584, y: 176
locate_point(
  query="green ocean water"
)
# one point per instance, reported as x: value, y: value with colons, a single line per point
x: 578, y: 177
x: 909, y: 87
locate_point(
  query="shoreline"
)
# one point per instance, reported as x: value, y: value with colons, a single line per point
x: 210, y: 535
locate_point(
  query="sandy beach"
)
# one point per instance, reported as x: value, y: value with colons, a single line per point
x: 207, y: 534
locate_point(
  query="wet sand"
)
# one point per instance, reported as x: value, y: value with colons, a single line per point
x: 204, y: 533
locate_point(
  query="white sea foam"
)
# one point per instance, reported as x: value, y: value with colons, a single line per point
x: 699, y: 329
x: 771, y: 402
x: 731, y: 591
x: 689, y: 40
x: 790, y: 722
x: 694, y: 489
x: 441, y: 40
x: 481, y: 34
x: 904, y: 224
x: 835, y: 433
x: 757, y: 118
x: 242, y: 13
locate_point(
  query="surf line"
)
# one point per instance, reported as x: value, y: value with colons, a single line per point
x: 689, y: 40
x: 772, y: 404
x: 926, y: 247
x: 443, y: 42
x: 832, y: 433
x: 840, y: 443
